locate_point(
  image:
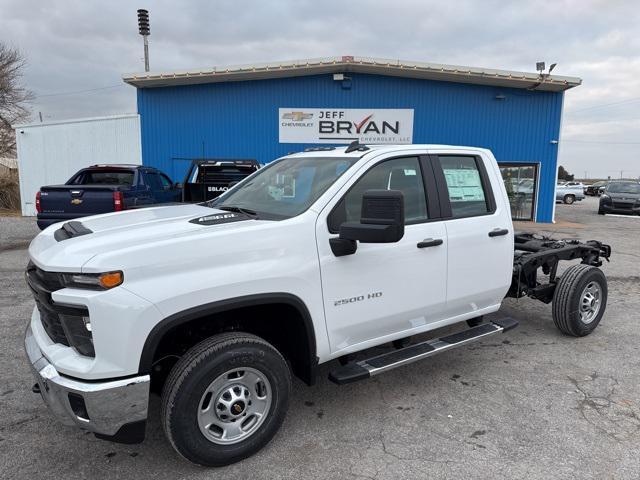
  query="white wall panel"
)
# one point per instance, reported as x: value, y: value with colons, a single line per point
x: 50, y: 153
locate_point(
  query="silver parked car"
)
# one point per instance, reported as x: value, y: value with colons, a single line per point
x: 569, y: 192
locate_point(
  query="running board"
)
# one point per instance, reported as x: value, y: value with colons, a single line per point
x: 355, y: 371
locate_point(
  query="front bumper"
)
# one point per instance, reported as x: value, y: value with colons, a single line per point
x: 114, y: 409
x: 610, y: 208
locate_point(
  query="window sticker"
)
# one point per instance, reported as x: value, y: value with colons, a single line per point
x: 285, y: 187
x: 464, y: 185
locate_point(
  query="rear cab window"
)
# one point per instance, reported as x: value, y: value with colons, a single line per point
x: 104, y: 177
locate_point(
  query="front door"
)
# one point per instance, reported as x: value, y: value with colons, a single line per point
x: 389, y: 289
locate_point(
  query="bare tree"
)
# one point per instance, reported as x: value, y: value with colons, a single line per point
x: 13, y: 98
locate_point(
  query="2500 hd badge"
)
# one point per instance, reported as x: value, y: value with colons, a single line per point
x: 360, y: 298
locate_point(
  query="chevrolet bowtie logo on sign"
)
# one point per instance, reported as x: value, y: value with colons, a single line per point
x: 297, y: 116
x: 375, y: 126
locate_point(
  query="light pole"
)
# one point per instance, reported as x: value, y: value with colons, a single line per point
x: 145, y: 31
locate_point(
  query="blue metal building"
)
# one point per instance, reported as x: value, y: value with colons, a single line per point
x: 236, y: 112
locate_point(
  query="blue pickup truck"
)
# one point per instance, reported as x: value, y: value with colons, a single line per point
x: 103, y: 189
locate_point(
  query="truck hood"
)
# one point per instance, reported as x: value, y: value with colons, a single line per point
x: 132, y: 228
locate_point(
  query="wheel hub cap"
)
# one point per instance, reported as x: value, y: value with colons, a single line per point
x: 590, y: 302
x: 234, y: 406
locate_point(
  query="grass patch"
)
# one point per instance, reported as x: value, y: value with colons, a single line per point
x: 9, y: 191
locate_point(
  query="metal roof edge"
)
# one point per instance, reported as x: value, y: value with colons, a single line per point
x: 76, y: 120
x: 409, y: 69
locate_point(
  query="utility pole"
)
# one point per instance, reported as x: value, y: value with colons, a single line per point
x: 144, y: 30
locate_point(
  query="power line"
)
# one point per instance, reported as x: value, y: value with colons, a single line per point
x: 604, y: 105
x: 602, y: 142
x: 75, y: 92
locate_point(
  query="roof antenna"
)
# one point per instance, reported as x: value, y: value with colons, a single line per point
x: 356, y: 146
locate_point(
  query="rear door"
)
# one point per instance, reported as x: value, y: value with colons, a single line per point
x: 386, y: 289
x: 479, y: 230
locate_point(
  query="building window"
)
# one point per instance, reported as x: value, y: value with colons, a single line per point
x: 521, y: 183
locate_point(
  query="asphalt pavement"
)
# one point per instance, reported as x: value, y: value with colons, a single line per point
x: 531, y: 404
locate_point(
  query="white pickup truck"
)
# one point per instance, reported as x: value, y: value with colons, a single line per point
x: 316, y: 256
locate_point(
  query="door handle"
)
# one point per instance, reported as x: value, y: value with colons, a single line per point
x: 430, y: 242
x: 497, y: 232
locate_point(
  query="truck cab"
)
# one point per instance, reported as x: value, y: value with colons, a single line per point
x: 316, y: 256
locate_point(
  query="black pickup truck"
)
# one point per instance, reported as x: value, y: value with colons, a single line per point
x: 103, y: 189
x: 207, y: 179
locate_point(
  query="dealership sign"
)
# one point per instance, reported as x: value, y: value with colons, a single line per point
x: 321, y: 125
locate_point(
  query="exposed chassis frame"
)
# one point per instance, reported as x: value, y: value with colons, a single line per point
x: 532, y: 251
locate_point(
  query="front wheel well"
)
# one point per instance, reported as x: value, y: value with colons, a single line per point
x: 284, y: 322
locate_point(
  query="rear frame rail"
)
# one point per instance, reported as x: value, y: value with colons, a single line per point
x: 534, y: 252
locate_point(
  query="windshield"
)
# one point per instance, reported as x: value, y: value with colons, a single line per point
x: 620, y: 187
x: 285, y: 188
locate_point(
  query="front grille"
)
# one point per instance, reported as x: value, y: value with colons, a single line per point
x: 52, y: 325
x: 42, y: 285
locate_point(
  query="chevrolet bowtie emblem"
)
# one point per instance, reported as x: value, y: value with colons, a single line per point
x: 76, y: 201
x: 297, y: 116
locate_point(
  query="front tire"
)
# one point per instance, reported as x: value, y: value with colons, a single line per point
x: 579, y: 300
x: 225, y: 399
x: 569, y: 199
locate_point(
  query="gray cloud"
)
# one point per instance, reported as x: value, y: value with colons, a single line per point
x: 80, y: 45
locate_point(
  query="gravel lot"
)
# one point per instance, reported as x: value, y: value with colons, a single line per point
x: 531, y: 404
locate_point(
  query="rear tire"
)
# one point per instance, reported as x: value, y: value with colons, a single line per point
x: 225, y: 399
x: 569, y: 199
x: 579, y: 300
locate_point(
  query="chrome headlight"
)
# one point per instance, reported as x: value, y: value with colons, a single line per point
x: 93, y: 281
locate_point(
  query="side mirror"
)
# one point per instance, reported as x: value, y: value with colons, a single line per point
x: 177, y: 185
x: 382, y: 221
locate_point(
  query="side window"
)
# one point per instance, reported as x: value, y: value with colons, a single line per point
x: 402, y: 174
x: 468, y: 193
x: 153, y: 180
x: 166, y: 183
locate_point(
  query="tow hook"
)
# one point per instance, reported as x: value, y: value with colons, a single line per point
x: 35, y: 388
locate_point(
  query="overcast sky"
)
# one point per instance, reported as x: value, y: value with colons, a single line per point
x: 86, y: 46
